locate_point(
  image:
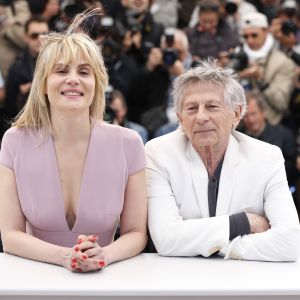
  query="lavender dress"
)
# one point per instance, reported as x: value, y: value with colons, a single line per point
x: 113, y: 154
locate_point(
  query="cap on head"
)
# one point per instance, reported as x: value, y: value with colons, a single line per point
x: 254, y: 19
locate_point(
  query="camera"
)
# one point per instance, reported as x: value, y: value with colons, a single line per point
x: 170, y: 54
x: 132, y: 21
x: 106, y: 25
x: 231, y: 7
x: 238, y: 59
x: 289, y: 27
x: 109, y: 114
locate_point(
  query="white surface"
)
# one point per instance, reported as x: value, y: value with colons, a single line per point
x: 151, y: 275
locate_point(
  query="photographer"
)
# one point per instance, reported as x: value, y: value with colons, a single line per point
x: 269, y: 70
x: 290, y: 46
x: 138, y: 29
x: 212, y: 34
x: 150, y: 102
x: 13, y: 16
x: 116, y: 113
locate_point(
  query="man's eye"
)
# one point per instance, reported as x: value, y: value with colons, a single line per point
x: 191, y: 108
x: 212, y: 106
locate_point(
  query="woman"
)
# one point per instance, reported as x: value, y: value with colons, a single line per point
x: 68, y: 178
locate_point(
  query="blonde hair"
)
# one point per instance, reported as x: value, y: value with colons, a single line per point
x: 69, y: 46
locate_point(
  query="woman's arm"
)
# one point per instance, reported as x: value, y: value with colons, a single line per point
x: 133, y: 221
x: 13, y: 227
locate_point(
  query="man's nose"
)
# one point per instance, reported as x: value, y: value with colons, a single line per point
x: 202, y: 115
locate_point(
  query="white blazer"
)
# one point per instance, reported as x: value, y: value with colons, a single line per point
x: 252, y: 179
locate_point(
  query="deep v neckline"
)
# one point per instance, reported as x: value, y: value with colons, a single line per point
x: 61, y: 199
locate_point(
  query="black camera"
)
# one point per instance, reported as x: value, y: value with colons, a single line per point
x: 132, y: 21
x: 231, y: 7
x: 106, y: 25
x: 170, y: 54
x: 238, y: 59
x: 289, y: 27
x: 109, y: 114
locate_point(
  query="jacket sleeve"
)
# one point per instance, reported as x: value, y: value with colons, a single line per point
x: 282, y: 241
x: 280, y: 86
x: 171, y: 233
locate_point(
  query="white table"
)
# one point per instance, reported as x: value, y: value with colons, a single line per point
x: 149, y: 276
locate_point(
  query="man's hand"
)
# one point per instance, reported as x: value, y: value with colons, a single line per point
x: 177, y: 68
x: 252, y: 72
x: 258, y: 223
x: 25, y: 88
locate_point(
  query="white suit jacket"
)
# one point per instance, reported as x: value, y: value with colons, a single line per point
x: 252, y: 179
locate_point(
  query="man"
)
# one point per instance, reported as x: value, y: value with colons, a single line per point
x: 257, y: 126
x: 150, y: 99
x: 139, y: 30
x: 21, y: 72
x: 119, y: 115
x: 270, y: 70
x: 212, y: 34
x: 212, y: 189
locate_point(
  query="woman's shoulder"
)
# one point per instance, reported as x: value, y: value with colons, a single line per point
x: 116, y: 132
x: 17, y: 134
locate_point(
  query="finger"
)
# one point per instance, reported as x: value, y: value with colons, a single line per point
x: 92, y: 238
x: 82, y: 238
x: 84, y: 246
x: 95, y: 253
x: 88, y: 265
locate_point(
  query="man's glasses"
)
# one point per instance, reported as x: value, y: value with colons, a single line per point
x: 252, y: 35
x: 35, y: 35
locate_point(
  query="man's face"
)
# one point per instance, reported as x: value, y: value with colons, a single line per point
x: 33, y: 39
x: 205, y: 118
x: 254, y: 119
x: 209, y: 21
x: 137, y: 5
x: 254, y: 37
x: 119, y: 108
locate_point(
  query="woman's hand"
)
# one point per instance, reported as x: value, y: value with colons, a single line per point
x: 85, y: 256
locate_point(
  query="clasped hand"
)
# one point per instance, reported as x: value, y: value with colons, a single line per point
x: 85, y: 256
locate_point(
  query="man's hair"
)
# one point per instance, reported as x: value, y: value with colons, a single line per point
x: 34, y: 19
x: 257, y: 96
x: 208, y: 72
x: 65, y: 48
x: 209, y: 6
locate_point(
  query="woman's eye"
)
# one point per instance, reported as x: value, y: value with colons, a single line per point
x: 61, y: 71
x: 84, y: 72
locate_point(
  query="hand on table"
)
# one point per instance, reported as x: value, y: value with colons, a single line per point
x: 85, y: 256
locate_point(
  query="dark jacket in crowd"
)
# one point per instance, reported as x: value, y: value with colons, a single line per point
x: 205, y: 44
x: 150, y: 90
x: 151, y: 34
x: 20, y: 72
x: 283, y: 138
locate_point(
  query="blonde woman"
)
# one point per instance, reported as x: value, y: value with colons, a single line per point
x: 71, y: 177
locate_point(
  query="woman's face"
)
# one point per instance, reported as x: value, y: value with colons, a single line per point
x: 71, y: 87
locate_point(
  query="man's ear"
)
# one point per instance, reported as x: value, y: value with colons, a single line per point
x: 179, y: 117
x: 237, y: 116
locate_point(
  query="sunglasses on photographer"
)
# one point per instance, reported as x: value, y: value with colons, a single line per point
x: 252, y: 35
x: 35, y: 35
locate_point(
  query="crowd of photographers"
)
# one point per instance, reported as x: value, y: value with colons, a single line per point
x: 147, y: 44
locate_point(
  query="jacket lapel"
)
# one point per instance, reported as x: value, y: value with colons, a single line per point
x: 200, y: 179
x: 228, y: 177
